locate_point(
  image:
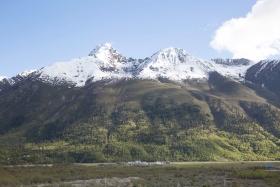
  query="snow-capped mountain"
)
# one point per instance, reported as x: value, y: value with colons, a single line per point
x: 105, y: 63
x: 2, y: 77
x: 5, y: 83
x: 22, y: 75
x: 265, y: 68
x: 233, y: 68
x: 175, y: 64
x: 265, y: 73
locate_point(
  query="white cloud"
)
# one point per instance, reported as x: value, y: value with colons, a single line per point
x: 256, y: 36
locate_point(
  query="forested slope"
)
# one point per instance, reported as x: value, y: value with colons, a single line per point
x: 124, y: 120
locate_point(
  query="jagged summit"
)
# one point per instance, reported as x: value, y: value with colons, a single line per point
x: 101, y: 49
x: 19, y: 77
x: 175, y: 64
x: 234, y: 62
x: 173, y: 55
x: 27, y: 73
x: 106, y: 63
x: 107, y: 53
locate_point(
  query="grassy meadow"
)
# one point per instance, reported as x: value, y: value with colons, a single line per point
x: 203, y: 174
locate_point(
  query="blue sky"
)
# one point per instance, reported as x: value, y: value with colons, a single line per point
x: 36, y: 33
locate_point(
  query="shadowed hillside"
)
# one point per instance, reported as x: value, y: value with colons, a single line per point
x: 123, y: 120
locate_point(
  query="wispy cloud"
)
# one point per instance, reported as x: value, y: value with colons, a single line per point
x: 256, y: 36
x: 211, y: 26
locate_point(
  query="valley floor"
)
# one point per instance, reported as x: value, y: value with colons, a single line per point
x: 196, y: 174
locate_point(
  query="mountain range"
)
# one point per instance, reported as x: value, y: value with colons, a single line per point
x: 170, y: 106
x: 104, y: 63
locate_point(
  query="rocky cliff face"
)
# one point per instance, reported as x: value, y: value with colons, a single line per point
x: 265, y: 73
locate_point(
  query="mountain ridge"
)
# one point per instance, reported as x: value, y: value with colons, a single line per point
x: 171, y: 106
x: 106, y: 63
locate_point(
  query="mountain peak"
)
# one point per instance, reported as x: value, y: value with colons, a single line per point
x: 101, y: 48
x: 106, y: 53
x: 173, y: 55
x: 26, y: 73
x: 2, y: 77
x: 175, y: 64
x: 171, y: 50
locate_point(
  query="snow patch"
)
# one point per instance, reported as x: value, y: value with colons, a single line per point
x: 2, y: 77
x: 26, y: 73
x: 233, y: 68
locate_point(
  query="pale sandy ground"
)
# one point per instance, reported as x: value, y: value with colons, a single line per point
x: 115, y: 181
x: 213, y: 181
